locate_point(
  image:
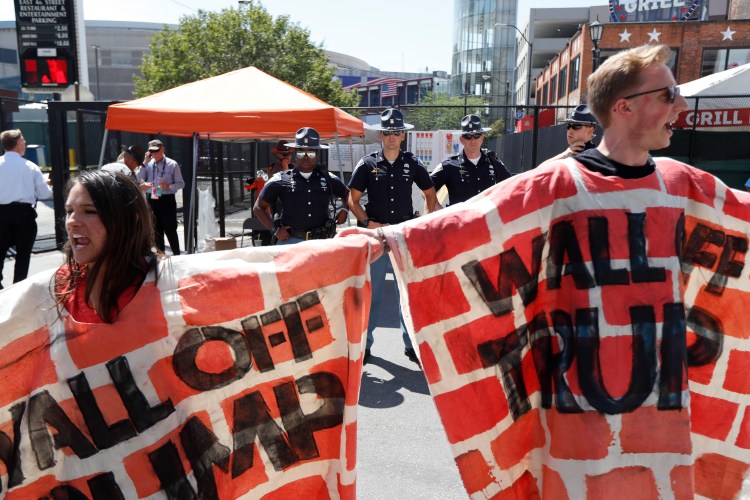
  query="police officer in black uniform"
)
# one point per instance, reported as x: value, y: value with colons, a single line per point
x: 306, y: 192
x: 474, y: 169
x: 580, y: 133
x: 387, y: 177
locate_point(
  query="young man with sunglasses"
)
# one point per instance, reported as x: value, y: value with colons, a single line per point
x: 602, y: 290
x: 474, y: 169
x: 580, y: 126
x: 305, y: 192
x: 387, y: 177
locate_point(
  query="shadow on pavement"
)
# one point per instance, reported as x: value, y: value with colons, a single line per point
x: 377, y: 392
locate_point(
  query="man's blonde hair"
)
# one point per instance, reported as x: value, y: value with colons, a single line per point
x: 619, y: 75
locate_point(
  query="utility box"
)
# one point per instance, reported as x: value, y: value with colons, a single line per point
x: 37, y: 153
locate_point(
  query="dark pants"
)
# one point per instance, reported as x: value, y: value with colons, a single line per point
x: 165, y: 222
x: 17, y: 228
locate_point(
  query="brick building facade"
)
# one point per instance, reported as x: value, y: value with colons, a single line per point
x: 701, y: 48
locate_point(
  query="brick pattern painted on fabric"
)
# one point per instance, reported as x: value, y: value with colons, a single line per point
x: 228, y: 377
x: 557, y: 357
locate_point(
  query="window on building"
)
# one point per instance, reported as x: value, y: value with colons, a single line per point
x: 716, y: 60
x: 544, y: 94
x: 575, y: 73
x: 606, y: 54
x: 562, y: 89
x: 552, y: 89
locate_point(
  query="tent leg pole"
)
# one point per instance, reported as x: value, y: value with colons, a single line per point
x: 104, y: 147
x: 193, y: 192
x: 351, y: 159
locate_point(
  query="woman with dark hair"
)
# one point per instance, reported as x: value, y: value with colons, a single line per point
x: 110, y: 248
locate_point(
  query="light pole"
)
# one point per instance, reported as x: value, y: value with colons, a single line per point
x: 466, y: 97
x: 487, y: 78
x: 528, y: 70
x: 596, y: 30
x: 96, y: 62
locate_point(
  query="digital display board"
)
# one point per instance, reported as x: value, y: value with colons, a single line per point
x: 46, y: 43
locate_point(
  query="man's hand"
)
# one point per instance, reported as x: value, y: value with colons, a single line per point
x: 341, y: 216
x: 282, y: 234
x: 576, y: 147
x: 375, y: 241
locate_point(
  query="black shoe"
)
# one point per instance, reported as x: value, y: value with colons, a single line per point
x: 409, y: 353
x: 367, y: 357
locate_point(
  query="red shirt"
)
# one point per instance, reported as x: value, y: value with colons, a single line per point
x: 76, y: 304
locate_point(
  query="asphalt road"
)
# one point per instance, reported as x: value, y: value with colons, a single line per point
x: 402, y: 449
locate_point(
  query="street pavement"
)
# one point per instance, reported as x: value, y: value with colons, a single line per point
x: 402, y: 451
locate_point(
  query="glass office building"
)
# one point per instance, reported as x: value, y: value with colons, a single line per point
x: 484, y: 54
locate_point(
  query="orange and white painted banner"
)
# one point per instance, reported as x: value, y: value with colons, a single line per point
x: 235, y: 374
x: 592, y: 337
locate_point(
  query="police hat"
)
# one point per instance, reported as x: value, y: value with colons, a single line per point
x: 392, y: 119
x: 472, y: 123
x: 581, y: 114
x: 306, y: 138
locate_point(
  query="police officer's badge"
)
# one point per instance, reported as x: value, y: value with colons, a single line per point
x: 405, y: 173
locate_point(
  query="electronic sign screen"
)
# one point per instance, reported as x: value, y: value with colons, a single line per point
x: 46, y: 43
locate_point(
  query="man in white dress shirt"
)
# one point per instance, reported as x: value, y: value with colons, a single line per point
x: 21, y: 185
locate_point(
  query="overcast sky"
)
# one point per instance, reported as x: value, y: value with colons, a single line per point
x: 392, y: 35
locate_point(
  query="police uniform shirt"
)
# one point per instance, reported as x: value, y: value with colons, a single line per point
x: 389, y: 186
x: 464, y: 179
x: 304, y: 202
x: 588, y: 145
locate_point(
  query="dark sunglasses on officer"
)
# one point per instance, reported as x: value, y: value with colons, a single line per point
x: 310, y: 153
x: 472, y: 135
x: 394, y: 133
x: 578, y: 126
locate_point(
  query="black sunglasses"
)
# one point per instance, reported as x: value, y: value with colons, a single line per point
x: 475, y: 135
x: 395, y: 133
x: 672, y: 93
x: 577, y: 126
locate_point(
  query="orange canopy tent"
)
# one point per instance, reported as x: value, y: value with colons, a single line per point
x: 243, y: 104
x: 246, y: 103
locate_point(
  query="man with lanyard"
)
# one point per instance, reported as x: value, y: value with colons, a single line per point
x: 305, y: 191
x: 472, y: 171
x: 21, y: 185
x: 581, y: 124
x: 162, y: 178
x: 387, y: 177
